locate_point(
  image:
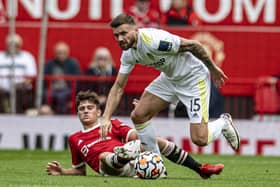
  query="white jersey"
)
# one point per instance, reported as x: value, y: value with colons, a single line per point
x: 159, y: 49
x: 24, y: 66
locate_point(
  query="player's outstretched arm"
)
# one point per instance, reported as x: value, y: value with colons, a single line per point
x: 198, y: 50
x: 113, y: 101
x: 54, y: 168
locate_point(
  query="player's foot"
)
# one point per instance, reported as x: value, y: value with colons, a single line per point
x: 206, y: 170
x: 230, y: 132
x: 129, y: 150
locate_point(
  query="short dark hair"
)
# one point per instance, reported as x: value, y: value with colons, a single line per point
x: 87, y: 95
x: 121, y: 19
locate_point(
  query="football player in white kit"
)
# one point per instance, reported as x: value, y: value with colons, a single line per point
x: 185, y: 75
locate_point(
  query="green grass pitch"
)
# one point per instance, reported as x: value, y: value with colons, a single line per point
x: 27, y: 168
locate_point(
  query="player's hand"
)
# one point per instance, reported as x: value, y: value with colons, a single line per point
x: 218, y: 76
x: 54, y: 168
x: 105, y: 127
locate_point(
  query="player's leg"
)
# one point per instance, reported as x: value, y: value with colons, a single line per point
x: 222, y: 125
x: 225, y: 126
x: 202, y: 132
x: 129, y: 150
x: 196, y: 98
x: 156, y: 97
x: 111, y: 164
x: 148, y: 106
x: 177, y: 155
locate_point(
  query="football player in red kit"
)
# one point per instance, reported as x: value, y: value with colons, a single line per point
x: 115, y: 154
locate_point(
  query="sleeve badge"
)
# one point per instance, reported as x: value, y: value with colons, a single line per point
x: 164, y: 45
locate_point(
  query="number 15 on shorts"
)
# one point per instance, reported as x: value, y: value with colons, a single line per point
x: 195, y: 105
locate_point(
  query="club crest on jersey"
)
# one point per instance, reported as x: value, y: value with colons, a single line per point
x: 79, y: 142
x: 164, y: 45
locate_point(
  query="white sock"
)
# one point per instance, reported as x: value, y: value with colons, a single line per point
x: 215, y: 129
x: 147, y: 136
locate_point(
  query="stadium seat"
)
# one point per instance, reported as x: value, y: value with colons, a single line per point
x: 267, y: 99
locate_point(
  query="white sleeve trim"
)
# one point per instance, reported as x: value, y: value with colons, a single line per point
x: 177, y: 43
x: 128, y: 134
x: 78, y: 165
x: 126, y: 68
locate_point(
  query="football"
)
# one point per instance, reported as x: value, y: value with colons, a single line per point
x: 149, y: 165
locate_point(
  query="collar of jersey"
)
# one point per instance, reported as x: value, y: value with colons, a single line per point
x: 90, y: 129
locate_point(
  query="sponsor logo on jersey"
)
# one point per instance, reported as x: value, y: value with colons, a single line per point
x: 158, y: 63
x: 84, y: 150
x: 98, y: 140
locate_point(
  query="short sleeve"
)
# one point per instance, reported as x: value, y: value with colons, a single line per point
x: 166, y: 42
x: 126, y: 63
x: 121, y: 130
x: 77, y: 160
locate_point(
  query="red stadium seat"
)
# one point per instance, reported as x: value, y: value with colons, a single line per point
x: 267, y: 99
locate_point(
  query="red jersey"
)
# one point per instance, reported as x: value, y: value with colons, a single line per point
x: 86, y: 145
x: 150, y: 19
x: 185, y: 16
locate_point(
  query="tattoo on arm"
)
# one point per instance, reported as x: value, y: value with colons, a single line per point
x: 197, y: 50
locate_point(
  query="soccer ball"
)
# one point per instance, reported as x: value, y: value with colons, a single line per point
x: 149, y: 165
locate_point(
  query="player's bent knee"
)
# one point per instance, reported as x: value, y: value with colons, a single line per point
x: 139, y: 117
x: 102, y: 156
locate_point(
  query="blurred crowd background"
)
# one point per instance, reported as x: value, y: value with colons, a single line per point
x: 80, y: 52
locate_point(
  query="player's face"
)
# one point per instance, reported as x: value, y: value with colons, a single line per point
x: 126, y: 35
x: 88, y: 113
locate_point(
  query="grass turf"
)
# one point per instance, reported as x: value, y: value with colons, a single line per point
x: 27, y: 168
